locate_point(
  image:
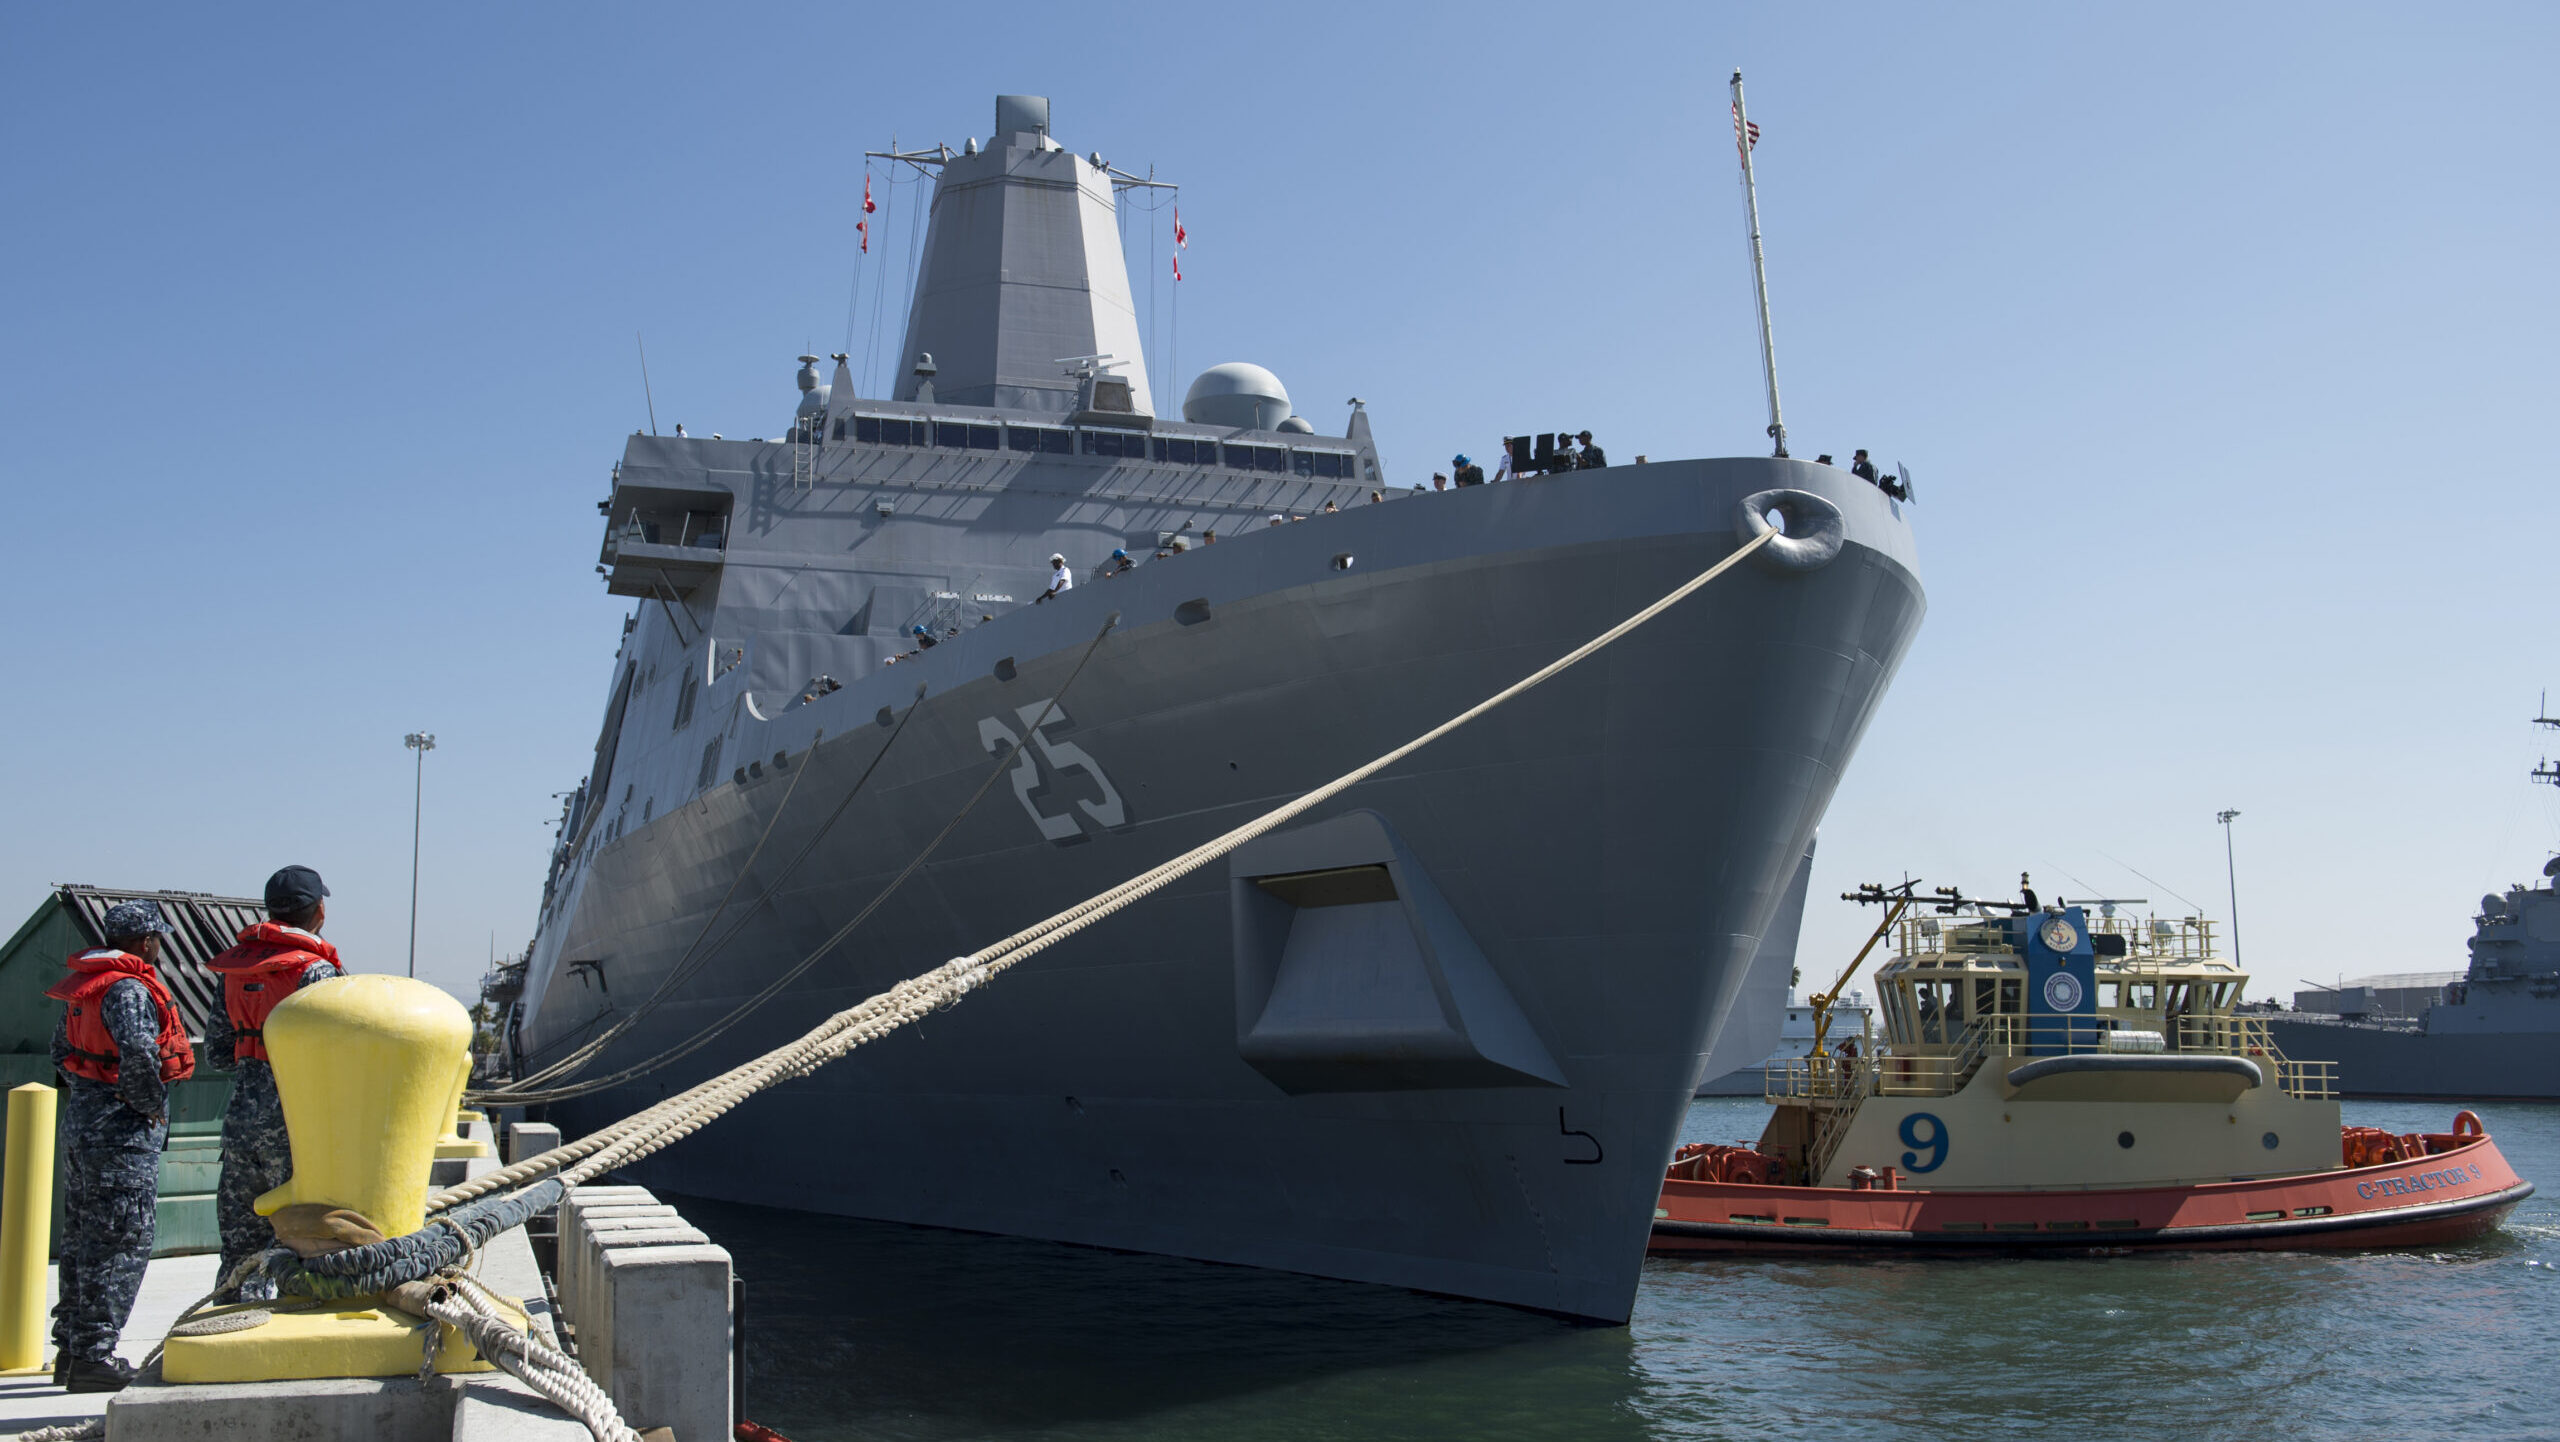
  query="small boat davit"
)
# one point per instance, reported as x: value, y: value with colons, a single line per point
x: 2135, y: 1107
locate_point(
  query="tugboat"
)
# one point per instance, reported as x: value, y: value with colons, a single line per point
x: 2052, y: 1079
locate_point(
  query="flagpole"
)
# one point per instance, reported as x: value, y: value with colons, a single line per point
x: 1759, y: 265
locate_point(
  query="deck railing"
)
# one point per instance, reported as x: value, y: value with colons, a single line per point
x: 1890, y: 1071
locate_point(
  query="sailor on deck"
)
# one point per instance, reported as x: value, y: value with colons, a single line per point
x: 271, y: 961
x: 121, y: 1042
x: 1061, y: 580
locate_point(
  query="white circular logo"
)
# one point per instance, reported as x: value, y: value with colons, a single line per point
x: 2059, y: 935
x: 2062, y: 992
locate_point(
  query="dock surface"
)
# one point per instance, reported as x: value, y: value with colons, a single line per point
x: 167, y: 1287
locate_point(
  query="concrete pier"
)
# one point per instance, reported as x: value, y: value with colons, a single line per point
x: 650, y: 1324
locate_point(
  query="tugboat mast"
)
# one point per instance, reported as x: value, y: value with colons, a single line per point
x: 1743, y: 136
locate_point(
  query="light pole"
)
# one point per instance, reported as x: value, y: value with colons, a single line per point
x: 421, y: 742
x: 2231, y: 874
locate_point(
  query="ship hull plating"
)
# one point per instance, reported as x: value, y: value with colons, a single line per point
x: 1608, y: 847
x: 2384, y: 1063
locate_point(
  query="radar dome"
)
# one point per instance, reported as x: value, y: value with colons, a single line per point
x: 1297, y: 426
x: 1237, y: 394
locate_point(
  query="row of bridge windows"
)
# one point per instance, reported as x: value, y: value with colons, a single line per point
x: 1132, y: 445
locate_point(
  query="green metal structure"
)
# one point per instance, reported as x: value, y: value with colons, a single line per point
x: 32, y: 960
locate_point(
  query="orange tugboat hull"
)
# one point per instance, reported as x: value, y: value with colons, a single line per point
x: 2461, y: 1191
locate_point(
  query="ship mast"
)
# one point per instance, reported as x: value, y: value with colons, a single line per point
x: 2542, y: 717
x: 1742, y: 138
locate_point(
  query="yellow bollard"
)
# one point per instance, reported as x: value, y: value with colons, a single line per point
x: 369, y: 1069
x: 366, y: 1069
x: 453, y: 1143
x: 26, y: 1227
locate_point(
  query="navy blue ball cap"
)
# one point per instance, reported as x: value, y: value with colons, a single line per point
x: 133, y: 920
x: 295, y: 888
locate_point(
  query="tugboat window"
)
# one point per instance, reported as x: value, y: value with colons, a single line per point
x: 2125, y: 1140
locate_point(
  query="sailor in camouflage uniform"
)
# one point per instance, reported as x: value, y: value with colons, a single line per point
x: 120, y: 1043
x: 272, y: 960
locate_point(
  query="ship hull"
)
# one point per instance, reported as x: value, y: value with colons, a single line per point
x: 2383, y: 1064
x: 2448, y: 1197
x: 1611, y: 844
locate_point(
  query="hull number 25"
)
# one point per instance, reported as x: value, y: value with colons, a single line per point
x: 1060, y: 757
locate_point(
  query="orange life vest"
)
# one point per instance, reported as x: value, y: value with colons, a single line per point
x: 93, y: 1051
x: 263, y: 968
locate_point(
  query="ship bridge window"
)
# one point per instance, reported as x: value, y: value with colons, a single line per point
x: 1116, y: 443
x: 1043, y: 440
x: 1183, y: 452
x: 1257, y: 458
x: 1327, y: 465
x: 1998, y: 997
x: 1934, y: 1007
x: 959, y: 436
x: 888, y: 431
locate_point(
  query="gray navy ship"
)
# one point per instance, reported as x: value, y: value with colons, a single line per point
x: 2493, y: 1034
x: 1439, y: 1034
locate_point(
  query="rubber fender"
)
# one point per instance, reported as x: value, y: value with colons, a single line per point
x: 367, y: 1068
x: 1810, y: 529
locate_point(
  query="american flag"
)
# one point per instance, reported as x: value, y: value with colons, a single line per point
x: 1744, y: 129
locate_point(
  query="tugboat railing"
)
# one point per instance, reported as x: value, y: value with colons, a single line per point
x: 1840, y: 1083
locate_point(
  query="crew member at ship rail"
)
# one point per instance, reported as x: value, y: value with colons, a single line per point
x: 1465, y: 472
x: 1593, y: 458
x: 1060, y: 580
x: 2026, y: 893
x: 120, y: 1042
x: 271, y: 961
x: 1861, y: 467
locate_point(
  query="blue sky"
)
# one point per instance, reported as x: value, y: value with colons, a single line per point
x: 2219, y: 339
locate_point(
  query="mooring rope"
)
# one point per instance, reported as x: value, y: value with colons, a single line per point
x: 679, y: 1116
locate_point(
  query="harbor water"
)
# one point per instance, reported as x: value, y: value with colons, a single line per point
x: 869, y: 1331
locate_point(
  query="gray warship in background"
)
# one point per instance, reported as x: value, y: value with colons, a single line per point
x: 2490, y: 1034
x: 1440, y: 1034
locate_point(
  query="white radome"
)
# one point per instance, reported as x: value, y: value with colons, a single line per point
x: 1239, y: 394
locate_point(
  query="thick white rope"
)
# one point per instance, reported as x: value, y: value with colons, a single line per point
x: 93, y: 1430
x: 468, y: 1307
x: 681, y: 1115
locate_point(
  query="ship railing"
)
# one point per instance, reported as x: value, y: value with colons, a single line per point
x: 1823, y: 1080
x: 2309, y: 1080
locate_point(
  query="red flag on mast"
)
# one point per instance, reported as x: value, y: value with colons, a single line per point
x: 1181, y: 237
x: 1177, y: 266
x: 863, y: 226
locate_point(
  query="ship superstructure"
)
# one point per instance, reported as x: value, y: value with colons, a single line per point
x: 2492, y: 1033
x: 1440, y: 1033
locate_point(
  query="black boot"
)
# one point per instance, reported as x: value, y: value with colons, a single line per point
x: 99, y: 1374
x: 61, y: 1368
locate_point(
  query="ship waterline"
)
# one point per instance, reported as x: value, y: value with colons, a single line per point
x: 1466, y: 1079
